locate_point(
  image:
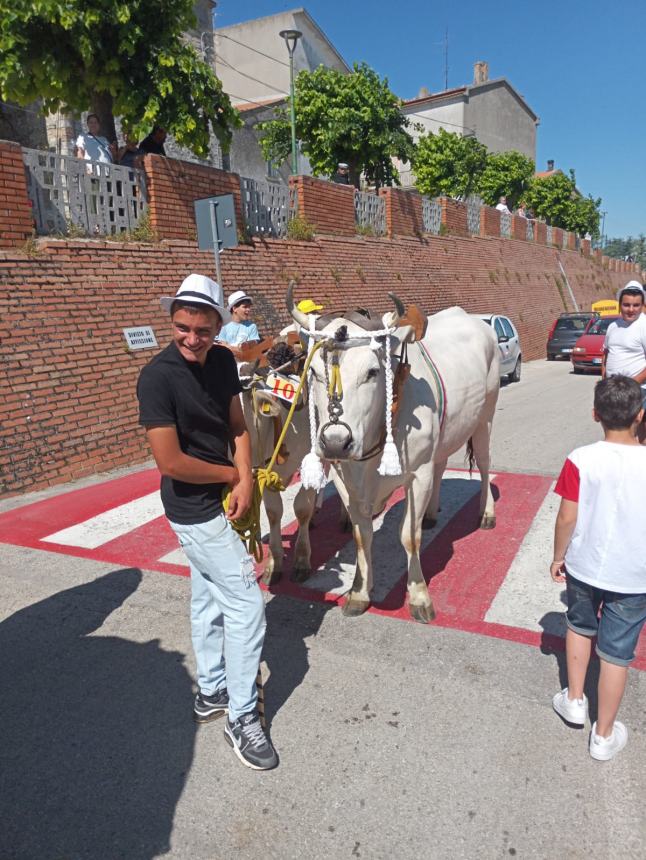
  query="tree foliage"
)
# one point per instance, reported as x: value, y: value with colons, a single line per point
x: 508, y: 174
x: 351, y: 118
x: 124, y: 58
x: 448, y: 164
x: 623, y: 249
x: 556, y: 199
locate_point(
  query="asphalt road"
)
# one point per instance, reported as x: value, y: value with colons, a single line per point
x: 396, y: 740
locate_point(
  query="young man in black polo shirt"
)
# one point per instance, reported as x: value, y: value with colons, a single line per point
x: 189, y: 405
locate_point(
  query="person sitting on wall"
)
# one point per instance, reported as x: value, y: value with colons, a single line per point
x: 92, y: 146
x: 154, y: 143
x: 241, y: 331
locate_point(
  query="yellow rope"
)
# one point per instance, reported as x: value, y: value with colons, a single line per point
x: 248, y: 526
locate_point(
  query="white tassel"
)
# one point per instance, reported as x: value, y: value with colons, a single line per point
x: 390, y: 464
x: 312, y: 474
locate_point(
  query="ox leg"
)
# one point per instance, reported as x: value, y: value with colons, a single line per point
x: 304, y: 510
x: 480, y: 440
x: 274, y: 565
x: 418, y: 499
x: 358, y: 598
x: 430, y: 515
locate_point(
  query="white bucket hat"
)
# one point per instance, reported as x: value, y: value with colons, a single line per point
x: 199, y: 290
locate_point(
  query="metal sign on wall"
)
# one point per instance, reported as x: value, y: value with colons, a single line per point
x: 140, y: 337
x: 215, y: 218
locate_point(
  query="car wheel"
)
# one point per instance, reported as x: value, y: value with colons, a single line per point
x: 551, y: 357
x: 577, y: 369
x: 514, y: 376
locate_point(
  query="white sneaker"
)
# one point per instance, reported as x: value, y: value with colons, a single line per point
x: 573, y: 711
x: 604, y: 749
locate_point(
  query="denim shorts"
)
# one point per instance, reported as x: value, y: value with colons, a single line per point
x: 617, y: 628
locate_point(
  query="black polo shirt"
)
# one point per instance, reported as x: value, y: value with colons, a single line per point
x: 196, y: 401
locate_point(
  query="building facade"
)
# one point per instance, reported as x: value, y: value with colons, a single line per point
x: 490, y: 110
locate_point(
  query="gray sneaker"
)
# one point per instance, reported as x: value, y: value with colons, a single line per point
x: 207, y: 708
x: 250, y: 743
x: 573, y: 711
x: 603, y: 749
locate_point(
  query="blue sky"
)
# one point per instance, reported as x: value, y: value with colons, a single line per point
x: 579, y: 65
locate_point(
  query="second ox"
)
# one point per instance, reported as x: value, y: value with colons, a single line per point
x: 388, y: 412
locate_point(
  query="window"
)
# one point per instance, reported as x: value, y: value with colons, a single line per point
x: 500, y: 332
x: 509, y: 331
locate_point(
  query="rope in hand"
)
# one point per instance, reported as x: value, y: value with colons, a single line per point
x: 265, y: 478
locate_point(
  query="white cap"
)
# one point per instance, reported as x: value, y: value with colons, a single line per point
x: 237, y: 297
x: 199, y: 290
x: 632, y: 286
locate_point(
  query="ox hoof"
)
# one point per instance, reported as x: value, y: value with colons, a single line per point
x: 271, y: 577
x: 488, y: 521
x: 300, y: 574
x: 423, y: 613
x: 429, y: 522
x: 353, y: 607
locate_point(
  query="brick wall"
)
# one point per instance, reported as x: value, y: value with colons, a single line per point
x: 16, y: 220
x: 329, y: 206
x: 67, y: 383
x: 174, y: 185
x: 403, y: 212
x: 454, y: 216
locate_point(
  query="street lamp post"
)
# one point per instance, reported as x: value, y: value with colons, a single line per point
x: 291, y: 37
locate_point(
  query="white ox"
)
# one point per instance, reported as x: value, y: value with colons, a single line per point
x: 465, y: 352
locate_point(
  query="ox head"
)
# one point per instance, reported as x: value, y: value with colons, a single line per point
x: 351, y: 379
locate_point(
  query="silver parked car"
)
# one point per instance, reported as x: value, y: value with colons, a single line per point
x: 508, y: 344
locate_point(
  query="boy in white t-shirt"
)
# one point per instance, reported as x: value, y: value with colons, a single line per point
x: 600, y: 553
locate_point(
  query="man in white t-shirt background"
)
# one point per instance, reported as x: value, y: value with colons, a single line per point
x: 624, y: 349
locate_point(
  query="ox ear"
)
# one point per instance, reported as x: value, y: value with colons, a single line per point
x: 416, y: 320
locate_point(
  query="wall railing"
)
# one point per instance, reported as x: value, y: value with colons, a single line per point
x: 370, y: 212
x: 93, y: 197
x: 267, y: 207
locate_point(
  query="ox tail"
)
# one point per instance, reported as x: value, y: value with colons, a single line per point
x: 470, y: 456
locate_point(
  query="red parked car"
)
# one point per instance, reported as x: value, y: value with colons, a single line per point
x: 587, y: 353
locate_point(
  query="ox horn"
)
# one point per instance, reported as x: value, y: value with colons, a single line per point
x: 392, y: 318
x: 298, y: 316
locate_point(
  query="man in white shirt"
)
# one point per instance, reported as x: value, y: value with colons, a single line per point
x: 501, y: 206
x: 624, y: 349
x: 92, y: 146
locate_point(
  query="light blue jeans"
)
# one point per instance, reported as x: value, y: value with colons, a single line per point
x: 227, y: 612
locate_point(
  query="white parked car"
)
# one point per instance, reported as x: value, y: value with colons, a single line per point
x: 508, y: 343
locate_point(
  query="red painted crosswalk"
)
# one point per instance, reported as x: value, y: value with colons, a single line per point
x: 121, y: 522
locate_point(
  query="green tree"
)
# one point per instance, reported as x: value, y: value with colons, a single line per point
x: 508, y: 174
x: 117, y: 58
x: 448, y: 164
x: 351, y: 118
x: 556, y: 199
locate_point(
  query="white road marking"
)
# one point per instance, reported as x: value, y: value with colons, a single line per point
x: 528, y: 598
x: 177, y: 556
x: 111, y: 524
